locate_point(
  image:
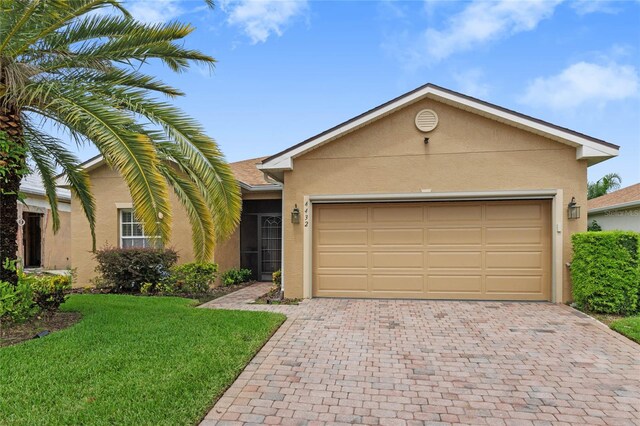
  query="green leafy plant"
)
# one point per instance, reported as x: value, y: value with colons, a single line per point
x: 192, y: 278
x: 594, y: 226
x: 16, y: 302
x: 125, y: 270
x: 236, y: 276
x: 49, y: 291
x: 605, y: 271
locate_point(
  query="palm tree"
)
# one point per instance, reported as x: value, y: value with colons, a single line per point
x: 76, y: 69
x: 606, y: 184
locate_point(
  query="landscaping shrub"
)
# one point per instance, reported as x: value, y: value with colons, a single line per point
x: 277, y: 278
x: 16, y: 302
x: 236, y: 276
x: 594, y: 226
x: 49, y: 290
x: 192, y: 278
x: 605, y: 271
x: 125, y: 270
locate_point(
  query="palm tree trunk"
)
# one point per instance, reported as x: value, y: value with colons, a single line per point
x: 10, y: 125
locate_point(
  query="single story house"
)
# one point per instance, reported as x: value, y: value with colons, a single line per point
x: 38, y: 246
x: 432, y: 195
x: 617, y: 210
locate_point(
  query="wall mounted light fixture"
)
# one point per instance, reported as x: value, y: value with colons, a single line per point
x: 573, y: 209
x: 295, y: 215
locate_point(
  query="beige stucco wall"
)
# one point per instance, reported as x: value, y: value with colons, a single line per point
x: 56, y: 247
x: 109, y: 189
x: 466, y: 152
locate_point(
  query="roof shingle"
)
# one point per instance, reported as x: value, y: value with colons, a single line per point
x: 621, y: 196
x: 246, y: 172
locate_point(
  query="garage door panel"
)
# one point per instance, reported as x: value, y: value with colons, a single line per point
x: 514, y: 235
x: 455, y: 284
x: 397, y: 283
x: 397, y: 260
x: 513, y: 260
x: 513, y: 212
x: 350, y: 215
x: 397, y: 214
x: 514, y: 284
x: 454, y: 259
x: 454, y: 236
x: 397, y: 237
x: 342, y: 282
x: 492, y: 250
x: 454, y: 212
x: 337, y: 237
x: 342, y: 260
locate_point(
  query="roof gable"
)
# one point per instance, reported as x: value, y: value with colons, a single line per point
x: 591, y: 149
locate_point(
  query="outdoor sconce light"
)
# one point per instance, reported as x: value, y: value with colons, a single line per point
x: 573, y: 209
x: 426, y: 141
x: 295, y: 215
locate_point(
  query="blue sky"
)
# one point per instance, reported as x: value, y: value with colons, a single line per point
x: 290, y: 69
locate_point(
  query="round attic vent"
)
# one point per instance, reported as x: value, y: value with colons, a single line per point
x: 426, y: 120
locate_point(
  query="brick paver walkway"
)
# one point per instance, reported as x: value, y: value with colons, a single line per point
x: 433, y: 362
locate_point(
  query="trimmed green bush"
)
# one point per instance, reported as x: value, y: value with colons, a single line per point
x: 236, y: 276
x: 192, y: 278
x: 605, y: 271
x: 16, y: 302
x: 49, y: 290
x: 125, y: 270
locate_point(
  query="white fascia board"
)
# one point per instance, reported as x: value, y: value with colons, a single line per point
x: 594, y: 150
x: 435, y: 196
x: 260, y: 188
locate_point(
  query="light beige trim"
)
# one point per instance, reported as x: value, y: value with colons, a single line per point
x: 124, y: 206
x: 557, y: 222
x: 307, y: 267
x: 557, y: 228
x: 44, y: 204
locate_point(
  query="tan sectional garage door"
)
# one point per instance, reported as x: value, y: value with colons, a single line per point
x: 494, y: 250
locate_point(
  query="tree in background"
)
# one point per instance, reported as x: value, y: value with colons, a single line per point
x: 606, y: 184
x: 72, y: 67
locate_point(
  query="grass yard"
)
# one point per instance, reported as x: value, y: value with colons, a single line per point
x: 130, y: 360
x: 629, y: 326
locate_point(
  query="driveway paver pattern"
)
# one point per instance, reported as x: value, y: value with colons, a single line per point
x: 397, y: 362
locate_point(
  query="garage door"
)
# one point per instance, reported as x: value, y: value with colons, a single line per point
x: 494, y: 250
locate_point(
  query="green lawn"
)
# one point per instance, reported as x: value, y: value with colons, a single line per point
x: 130, y: 360
x: 629, y: 326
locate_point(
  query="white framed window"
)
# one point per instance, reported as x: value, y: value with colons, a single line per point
x: 132, y: 231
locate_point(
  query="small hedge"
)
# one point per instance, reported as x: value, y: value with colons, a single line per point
x: 236, y: 276
x: 192, y: 278
x: 605, y: 271
x: 125, y: 270
x: 31, y: 295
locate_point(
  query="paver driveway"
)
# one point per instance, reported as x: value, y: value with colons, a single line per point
x: 424, y: 362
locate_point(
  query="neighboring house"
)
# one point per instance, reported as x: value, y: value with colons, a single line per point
x: 617, y: 210
x: 432, y: 195
x: 38, y: 246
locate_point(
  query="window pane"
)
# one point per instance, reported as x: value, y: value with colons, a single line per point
x: 127, y: 216
x: 137, y: 230
x: 126, y: 230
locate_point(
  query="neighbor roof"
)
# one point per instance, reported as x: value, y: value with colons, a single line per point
x: 592, y: 149
x: 32, y: 184
x: 622, y: 198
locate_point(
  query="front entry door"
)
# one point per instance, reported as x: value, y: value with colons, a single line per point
x: 270, y: 235
x: 32, y: 240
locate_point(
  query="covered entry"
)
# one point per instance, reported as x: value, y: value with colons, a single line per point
x: 485, y: 250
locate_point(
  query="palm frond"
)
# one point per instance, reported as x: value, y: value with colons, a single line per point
x: 47, y: 171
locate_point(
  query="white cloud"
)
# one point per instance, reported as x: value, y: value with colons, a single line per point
x: 471, y: 82
x: 260, y: 19
x: 484, y: 21
x: 585, y: 7
x: 581, y: 83
x: 155, y: 11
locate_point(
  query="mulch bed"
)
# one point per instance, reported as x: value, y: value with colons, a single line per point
x: 10, y: 334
